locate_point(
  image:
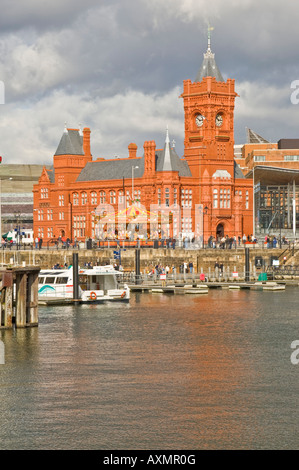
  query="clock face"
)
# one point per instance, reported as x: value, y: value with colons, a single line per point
x: 219, y: 120
x: 199, y: 120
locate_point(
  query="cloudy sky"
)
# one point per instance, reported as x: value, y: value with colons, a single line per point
x: 118, y: 67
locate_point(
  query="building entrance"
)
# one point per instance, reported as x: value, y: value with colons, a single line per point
x: 220, y: 231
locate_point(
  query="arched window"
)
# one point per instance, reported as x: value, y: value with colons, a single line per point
x: 120, y: 197
x: 83, y: 198
x: 44, y: 193
x: 159, y: 196
x: 175, y: 196
x: 93, y: 197
x: 215, y: 198
x: 137, y: 197
x: 102, y: 197
x: 76, y: 199
x: 247, y: 200
x: 190, y: 197
x: 167, y: 197
x: 112, y: 197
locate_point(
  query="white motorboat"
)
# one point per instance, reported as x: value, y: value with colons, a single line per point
x: 96, y: 284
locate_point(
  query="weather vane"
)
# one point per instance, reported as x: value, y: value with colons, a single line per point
x: 210, y: 28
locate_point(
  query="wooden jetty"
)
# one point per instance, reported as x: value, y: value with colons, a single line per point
x: 19, y: 296
x: 204, y: 288
x: 171, y: 289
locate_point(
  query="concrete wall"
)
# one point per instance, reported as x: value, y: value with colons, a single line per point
x: 203, y: 260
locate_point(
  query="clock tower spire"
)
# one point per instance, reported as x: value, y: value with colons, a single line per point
x: 209, y: 67
x: 209, y: 118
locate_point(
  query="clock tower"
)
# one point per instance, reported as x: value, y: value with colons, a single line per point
x: 209, y: 104
x: 209, y: 119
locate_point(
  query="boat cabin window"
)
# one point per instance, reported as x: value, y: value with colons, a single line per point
x: 41, y: 279
x: 61, y: 280
x: 50, y: 280
x: 98, y: 282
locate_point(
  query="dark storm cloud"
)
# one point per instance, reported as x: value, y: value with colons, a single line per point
x: 41, y: 15
x: 118, y: 66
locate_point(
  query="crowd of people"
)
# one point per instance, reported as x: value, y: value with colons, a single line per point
x: 157, y: 270
x: 226, y: 242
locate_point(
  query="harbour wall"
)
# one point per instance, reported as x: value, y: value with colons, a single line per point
x: 203, y: 260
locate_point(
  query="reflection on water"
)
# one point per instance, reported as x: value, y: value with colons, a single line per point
x: 162, y: 372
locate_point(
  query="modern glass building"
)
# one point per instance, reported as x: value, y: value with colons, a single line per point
x: 276, y: 201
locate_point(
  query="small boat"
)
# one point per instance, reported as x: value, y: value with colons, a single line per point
x: 97, y: 284
x: 273, y: 286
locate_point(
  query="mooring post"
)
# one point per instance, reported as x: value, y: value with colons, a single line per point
x: 75, y: 278
x: 7, y: 286
x: 137, y: 266
x: 21, y: 299
x: 33, y: 297
x: 8, y: 308
x: 247, y: 265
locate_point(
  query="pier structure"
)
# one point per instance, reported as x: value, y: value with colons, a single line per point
x: 19, y: 296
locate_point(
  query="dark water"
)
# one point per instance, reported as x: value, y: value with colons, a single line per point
x: 164, y: 372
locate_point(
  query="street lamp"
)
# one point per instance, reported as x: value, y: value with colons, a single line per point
x: 203, y: 226
x: 2, y: 179
x: 133, y: 168
x: 18, y: 217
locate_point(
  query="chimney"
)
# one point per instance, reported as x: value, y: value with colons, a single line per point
x: 132, y: 150
x: 149, y: 158
x: 86, y: 142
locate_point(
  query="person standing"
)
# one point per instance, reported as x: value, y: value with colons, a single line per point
x: 191, y: 267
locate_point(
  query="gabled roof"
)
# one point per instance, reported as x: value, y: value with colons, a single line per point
x: 238, y: 172
x: 122, y: 168
x: 71, y: 143
x: 176, y: 163
x: 44, y: 177
x: 168, y: 160
x: 51, y: 174
x: 111, y: 169
x: 254, y: 138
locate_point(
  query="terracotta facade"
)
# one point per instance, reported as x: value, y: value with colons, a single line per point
x: 214, y: 196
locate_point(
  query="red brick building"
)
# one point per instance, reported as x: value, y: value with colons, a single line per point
x: 206, y: 184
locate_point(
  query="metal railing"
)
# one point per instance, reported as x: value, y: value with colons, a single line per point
x: 210, y: 276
